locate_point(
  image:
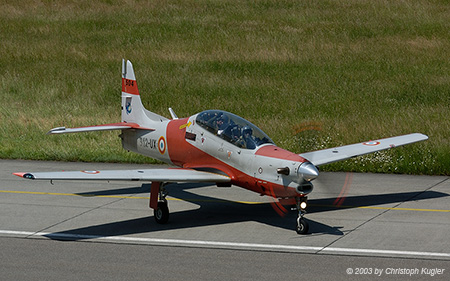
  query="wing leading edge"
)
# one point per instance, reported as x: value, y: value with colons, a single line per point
x: 156, y: 175
x: 327, y: 156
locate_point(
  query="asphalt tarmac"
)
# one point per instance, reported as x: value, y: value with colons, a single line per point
x: 362, y: 226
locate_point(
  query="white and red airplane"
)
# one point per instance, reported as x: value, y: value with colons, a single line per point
x: 213, y: 146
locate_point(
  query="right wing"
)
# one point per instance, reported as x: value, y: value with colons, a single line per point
x: 154, y: 175
x: 326, y: 156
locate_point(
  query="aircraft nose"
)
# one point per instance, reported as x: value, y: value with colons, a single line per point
x: 307, y: 171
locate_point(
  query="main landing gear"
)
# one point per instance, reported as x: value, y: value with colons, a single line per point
x: 161, y: 213
x: 158, y: 203
x: 302, y: 226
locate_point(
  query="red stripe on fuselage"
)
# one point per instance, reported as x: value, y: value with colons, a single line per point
x: 129, y: 86
x: 186, y: 155
x: 274, y: 151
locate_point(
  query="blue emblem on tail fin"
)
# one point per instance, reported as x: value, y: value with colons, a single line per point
x: 128, y: 107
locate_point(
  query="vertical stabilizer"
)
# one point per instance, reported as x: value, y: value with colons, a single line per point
x: 133, y: 110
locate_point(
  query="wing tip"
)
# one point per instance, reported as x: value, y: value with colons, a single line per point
x: 424, y: 137
x: 25, y: 175
x: 58, y: 130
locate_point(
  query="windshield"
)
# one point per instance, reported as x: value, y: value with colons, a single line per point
x: 232, y: 128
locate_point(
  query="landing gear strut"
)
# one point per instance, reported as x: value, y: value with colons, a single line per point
x: 158, y: 203
x: 302, y: 226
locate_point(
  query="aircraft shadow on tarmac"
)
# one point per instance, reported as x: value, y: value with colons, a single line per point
x: 215, y: 211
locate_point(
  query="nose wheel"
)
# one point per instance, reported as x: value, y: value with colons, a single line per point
x: 302, y: 226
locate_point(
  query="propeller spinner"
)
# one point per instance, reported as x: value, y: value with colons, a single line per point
x: 306, y: 173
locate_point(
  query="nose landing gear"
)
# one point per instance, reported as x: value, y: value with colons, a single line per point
x: 302, y: 226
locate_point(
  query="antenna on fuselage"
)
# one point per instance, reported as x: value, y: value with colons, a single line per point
x: 172, y: 113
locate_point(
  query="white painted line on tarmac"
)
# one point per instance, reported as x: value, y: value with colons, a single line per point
x: 228, y: 245
x: 159, y: 241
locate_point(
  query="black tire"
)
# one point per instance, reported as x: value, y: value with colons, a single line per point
x: 302, y: 226
x: 161, y: 213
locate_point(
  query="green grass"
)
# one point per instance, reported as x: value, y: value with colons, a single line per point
x: 357, y: 70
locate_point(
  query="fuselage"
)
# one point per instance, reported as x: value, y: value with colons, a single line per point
x: 232, y: 146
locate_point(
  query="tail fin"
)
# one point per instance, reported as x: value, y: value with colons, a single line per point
x: 133, y: 110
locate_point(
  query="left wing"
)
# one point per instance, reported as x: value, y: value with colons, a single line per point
x: 156, y: 175
x: 326, y: 156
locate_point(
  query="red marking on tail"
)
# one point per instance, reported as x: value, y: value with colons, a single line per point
x: 129, y: 86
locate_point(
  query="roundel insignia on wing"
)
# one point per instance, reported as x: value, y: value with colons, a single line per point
x: 162, y: 145
x: 91, y: 172
x: 371, y: 143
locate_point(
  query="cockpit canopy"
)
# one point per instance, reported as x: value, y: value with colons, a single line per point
x: 232, y: 128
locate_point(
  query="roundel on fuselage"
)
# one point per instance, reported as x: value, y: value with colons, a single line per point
x: 162, y: 145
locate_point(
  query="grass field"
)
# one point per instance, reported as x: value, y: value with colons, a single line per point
x: 311, y: 74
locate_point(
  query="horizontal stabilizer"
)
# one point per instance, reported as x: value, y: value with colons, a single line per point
x: 327, y: 156
x: 157, y: 175
x: 105, y: 127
